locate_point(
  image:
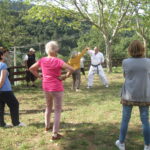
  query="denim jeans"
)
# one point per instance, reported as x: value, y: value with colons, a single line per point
x: 144, y: 115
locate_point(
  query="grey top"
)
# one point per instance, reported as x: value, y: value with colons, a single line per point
x: 137, y: 80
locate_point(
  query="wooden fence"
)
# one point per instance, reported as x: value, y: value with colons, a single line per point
x: 18, y: 73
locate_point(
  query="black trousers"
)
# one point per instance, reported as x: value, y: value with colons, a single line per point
x: 30, y: 76
x: 13, y: 104
x: 83, y: 71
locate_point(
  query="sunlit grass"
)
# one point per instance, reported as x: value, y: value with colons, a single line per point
x: 90, y: 119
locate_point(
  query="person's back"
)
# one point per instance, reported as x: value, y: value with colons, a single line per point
x: 137, y: 79
x: 52, y: 84
x: 51, y: 70
x: 74, y: 61
x: 135, y: 92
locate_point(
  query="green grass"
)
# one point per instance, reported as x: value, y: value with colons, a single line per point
x: 90, y: 119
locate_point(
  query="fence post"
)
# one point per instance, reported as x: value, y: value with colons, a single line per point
x: 15, y: 63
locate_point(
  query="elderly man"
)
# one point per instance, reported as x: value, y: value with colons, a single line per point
x: 97, y: 59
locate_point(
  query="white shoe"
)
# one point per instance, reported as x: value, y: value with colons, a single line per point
x: 8, y: 126
x: 78, y: 90
x: 119, y: 145
x: 89, y: 87
x: 21, y: 124
x: 107, y: 86
x: 147, y: 147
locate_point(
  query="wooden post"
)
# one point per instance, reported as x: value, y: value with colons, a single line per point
x: 15, y: 63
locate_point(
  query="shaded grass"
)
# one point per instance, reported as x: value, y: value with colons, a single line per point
x: 90, y: 119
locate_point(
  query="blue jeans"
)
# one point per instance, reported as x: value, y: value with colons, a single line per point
x: 144, y: 115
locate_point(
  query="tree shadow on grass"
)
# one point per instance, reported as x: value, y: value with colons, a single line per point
x: 35, y: 111
x: 91, y: 136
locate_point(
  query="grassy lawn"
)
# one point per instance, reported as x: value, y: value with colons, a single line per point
x: 90, y: 119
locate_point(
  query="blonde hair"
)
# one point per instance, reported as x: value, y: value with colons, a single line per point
x: 51, y: 47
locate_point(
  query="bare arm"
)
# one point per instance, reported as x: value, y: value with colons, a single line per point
x: 90, y: 52
x: 83, y: 52
x: 34, y: 69
x: 2, y: 77
x: 70, y: 71
x: 69, y: 68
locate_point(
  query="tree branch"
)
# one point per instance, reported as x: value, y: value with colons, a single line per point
x: 85, y: 16
x: 119, y: 21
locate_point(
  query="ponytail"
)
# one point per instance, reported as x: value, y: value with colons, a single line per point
x: 1, y: 54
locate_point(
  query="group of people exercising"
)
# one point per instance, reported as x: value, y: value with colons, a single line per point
x: 135, y: 89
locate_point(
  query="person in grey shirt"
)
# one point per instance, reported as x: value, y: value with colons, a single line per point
x: 135, y: 92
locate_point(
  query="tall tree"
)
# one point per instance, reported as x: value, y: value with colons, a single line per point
x: 142, y: 21
x: 106, y: 15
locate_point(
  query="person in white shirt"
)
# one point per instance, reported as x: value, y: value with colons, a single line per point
x: 97, y: 59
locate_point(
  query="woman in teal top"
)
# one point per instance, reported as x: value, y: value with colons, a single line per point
x: 7, y: 96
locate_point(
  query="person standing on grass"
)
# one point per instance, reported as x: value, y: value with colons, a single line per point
x: 97, y: 59
x: 29, y: 61
x: 52, y: 84
x: 135, y: 92
x: 74, y: 61
x: 7, y: 96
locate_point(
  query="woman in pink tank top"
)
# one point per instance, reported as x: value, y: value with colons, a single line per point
x: 52, y: 84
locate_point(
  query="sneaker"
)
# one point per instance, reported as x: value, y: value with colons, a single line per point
x: 48, y: 129
x: 89, y: 87
x: 21, y: 124
x: 8, y: 126
x: 78, y: 90
x: 147, y: 147
x: 121, y: 146
x: 107, y: 86
x: 56, y: 136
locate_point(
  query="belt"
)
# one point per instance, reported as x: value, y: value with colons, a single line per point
x: 95, y: 65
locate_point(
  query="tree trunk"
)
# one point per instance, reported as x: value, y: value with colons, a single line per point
x: 145, y: 46
x: 108, y: 56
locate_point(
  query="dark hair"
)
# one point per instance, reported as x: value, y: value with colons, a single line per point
x: 4, y: 50
x: 1, y: 54
x: 136, y: 49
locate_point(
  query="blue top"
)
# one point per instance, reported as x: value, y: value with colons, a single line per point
x: 6, y: 86
x: 137, y: 79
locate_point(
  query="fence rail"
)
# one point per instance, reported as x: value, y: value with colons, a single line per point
x: 18, y: 73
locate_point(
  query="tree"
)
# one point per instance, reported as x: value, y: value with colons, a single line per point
x: 142, y: 21
x: 6, y: 22
x: 106, y: 15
